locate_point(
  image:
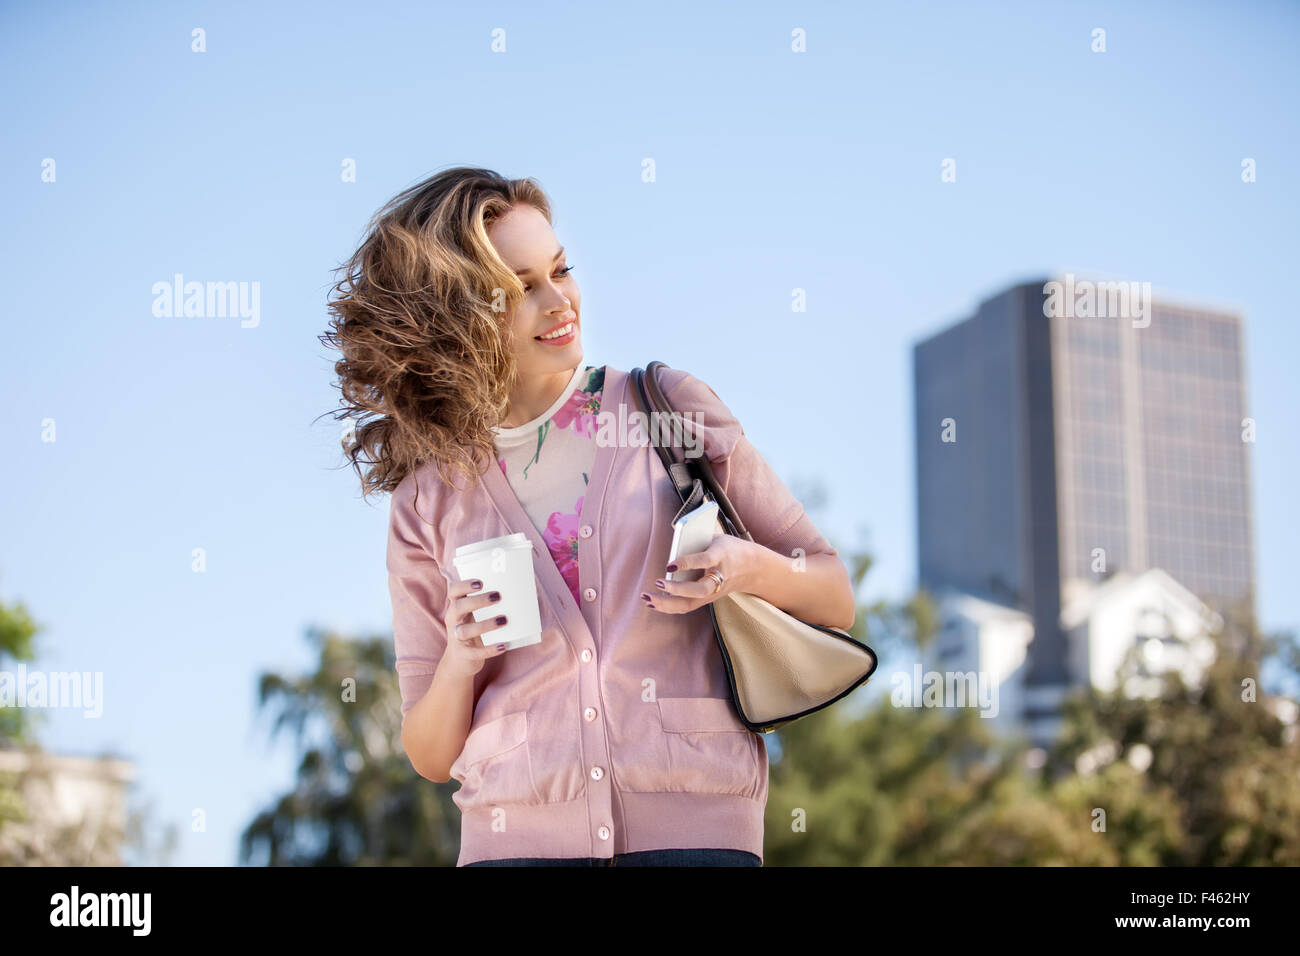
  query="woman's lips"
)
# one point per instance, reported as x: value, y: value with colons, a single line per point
x: 563, y: 339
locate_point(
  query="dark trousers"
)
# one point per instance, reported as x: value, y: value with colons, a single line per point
x: 677, y: 857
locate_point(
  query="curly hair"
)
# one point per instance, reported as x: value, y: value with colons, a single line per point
x: 422, y: 319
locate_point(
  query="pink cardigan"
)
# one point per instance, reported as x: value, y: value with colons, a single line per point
x: 617, y: 732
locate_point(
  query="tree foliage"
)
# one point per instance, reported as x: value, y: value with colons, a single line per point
x: 356, y: 800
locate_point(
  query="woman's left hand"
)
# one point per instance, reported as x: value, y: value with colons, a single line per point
x: 734, y: 558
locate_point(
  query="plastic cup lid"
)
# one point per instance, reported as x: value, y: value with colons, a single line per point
x: 516, y: 540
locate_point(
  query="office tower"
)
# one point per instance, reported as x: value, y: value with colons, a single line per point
x: 1069, y: 430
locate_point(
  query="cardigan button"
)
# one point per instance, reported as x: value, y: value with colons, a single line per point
x: 586, y: 655
x: 603, y: 833
x: 585, y: 531
x: 589, y: 594
x: 597, y: 773
x: 589, y: 713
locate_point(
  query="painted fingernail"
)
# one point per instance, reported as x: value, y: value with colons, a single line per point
x: 659, y: 582
x: 501, y: 647
x: 475, y: 585
x: 645, y: 597
x: 501, y: 619
x: 672, y: 567
x: 494, y: 596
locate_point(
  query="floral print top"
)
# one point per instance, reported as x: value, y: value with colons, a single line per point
x: 548, y: 463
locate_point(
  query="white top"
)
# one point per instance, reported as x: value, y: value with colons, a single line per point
x: 547, y: 462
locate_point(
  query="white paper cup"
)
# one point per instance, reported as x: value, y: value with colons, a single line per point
x: 504, y: 564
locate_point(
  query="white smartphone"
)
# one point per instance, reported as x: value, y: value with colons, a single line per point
x: 693, y: 532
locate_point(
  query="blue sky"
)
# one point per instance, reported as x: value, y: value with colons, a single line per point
x: 775, y: 170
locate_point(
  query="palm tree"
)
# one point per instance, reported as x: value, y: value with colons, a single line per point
x: 357, y: 800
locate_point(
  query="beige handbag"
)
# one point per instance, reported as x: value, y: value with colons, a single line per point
x: 780, y: 668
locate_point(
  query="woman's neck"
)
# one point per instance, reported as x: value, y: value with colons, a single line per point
x: 534, y: 395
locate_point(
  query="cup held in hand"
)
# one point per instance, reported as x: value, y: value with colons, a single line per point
x: 504, y: 564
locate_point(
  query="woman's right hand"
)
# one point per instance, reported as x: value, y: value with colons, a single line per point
x: 466, y: 652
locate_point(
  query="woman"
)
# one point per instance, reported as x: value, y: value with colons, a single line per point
x: 613, y: 740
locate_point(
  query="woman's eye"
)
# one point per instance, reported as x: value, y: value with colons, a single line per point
x: 559, y: 275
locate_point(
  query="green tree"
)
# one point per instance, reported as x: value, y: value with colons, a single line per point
x: 28, y: 838
x: 1191, y: 777
x: 356, y: 801
x: 17, y: 643
x: 17, y: 636
x: 1221, y: 752
x: 910, y: 786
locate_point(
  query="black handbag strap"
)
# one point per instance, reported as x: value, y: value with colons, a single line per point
x: 690, y: 476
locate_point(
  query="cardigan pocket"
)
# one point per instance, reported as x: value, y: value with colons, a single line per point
x: 494, y: 767
x: 709, y: 749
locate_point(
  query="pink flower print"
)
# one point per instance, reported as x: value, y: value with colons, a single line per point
x: 579, y: 411
x: 561, y: 536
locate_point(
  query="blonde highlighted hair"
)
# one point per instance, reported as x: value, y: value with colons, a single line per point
x: 421, y: 317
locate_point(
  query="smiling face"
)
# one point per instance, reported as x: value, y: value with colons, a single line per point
x: 527, y: 244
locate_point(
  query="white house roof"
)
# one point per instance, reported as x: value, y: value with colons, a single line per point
x: 1122, y: 582
x: 977, y: 609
